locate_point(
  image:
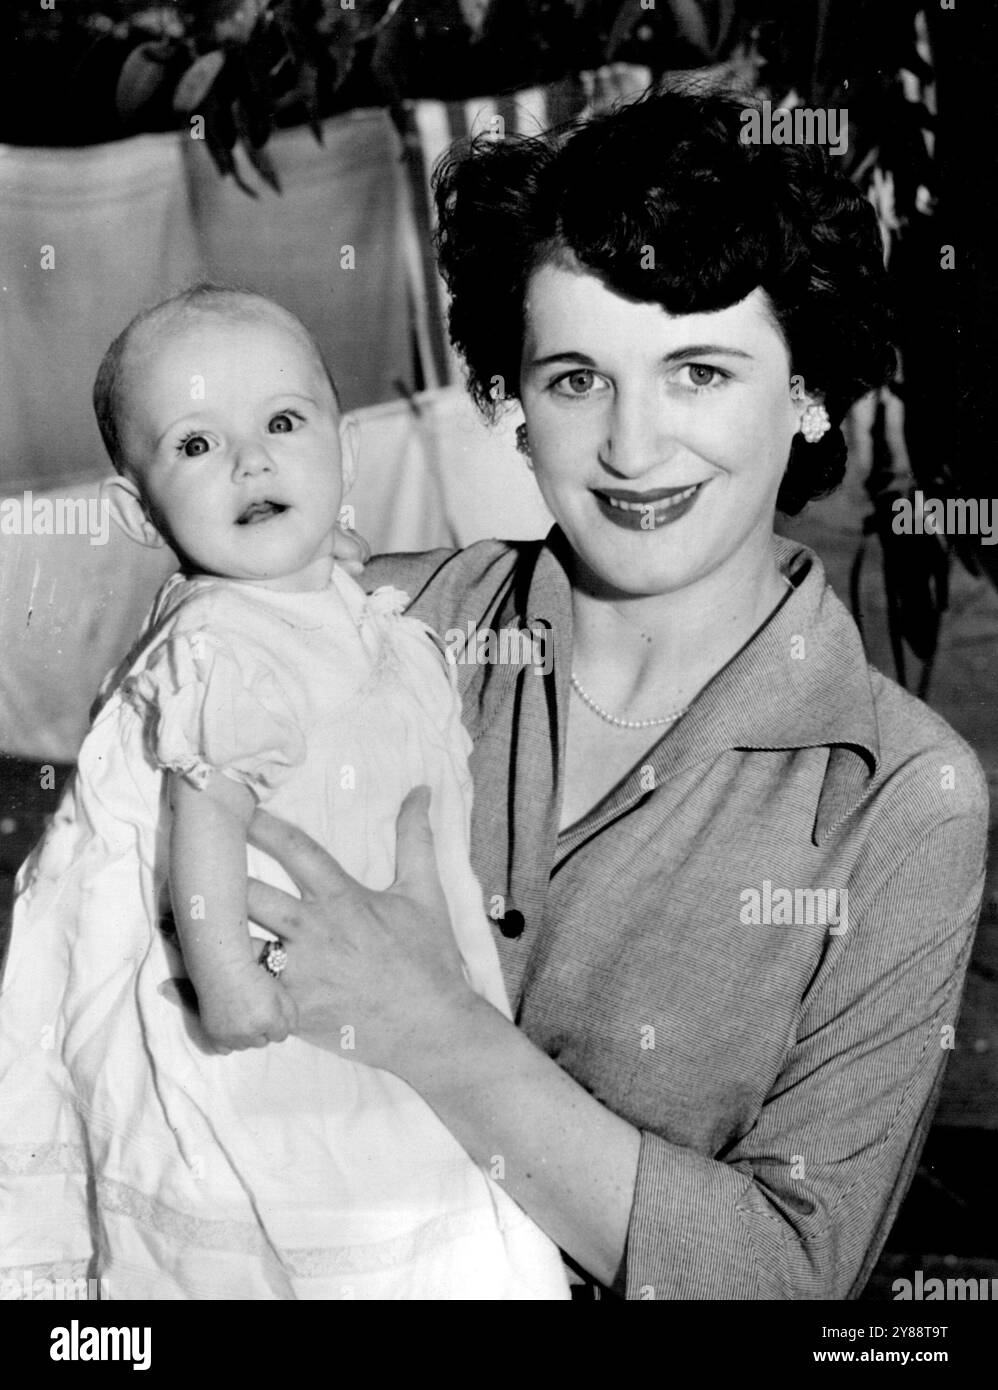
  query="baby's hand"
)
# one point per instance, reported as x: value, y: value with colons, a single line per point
x: 248, y: 1008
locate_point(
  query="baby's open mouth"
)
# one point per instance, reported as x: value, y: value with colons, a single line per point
x: 260, y: 511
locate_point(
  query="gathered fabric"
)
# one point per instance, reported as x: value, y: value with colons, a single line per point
x: 130, y: 1151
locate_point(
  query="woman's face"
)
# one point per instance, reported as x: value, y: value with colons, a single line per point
x: 659, y: 440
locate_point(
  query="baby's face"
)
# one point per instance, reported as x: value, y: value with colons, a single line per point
x: 234, y: 432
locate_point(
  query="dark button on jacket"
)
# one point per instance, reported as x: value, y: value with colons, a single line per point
x: 511, y: 924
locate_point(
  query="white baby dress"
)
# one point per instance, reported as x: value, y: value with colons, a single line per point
x: 127, y: 1150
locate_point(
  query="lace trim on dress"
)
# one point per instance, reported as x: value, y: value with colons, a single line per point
x: 323, y: 1262
x: 235, y: 1236
x: 387, y: 601
x: 195, y: 1232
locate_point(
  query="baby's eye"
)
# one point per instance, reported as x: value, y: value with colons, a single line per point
x: 582, y: 382
x: 194, y: 445
x: 283, y: 423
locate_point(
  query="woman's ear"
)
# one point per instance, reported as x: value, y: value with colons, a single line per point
x: 124, y: 502
x: 349, y: 451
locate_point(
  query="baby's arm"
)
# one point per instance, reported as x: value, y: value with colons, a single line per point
x: 241, y: 1005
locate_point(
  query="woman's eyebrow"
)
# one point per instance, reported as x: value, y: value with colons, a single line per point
x: 677, y: 355
x: 705, y: 350
x: 569, y: 356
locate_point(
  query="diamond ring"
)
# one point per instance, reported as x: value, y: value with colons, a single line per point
x: 274, y: 958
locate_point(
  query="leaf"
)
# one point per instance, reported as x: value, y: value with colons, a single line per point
x: 691, y: 23
x: 727, y: 20
x: 264, y: 166
x: 473, y: 13
x: 258, y: 157
x: 198, y: 81
x: 218, y: 114
x: 225, y: 164
x: 308, y: 91
x: 157, y: 20
x: 221, y: 133
x: 344, y: 56
x: 240, y: 21
x: 256, y: 95
x: 142, y: 75
x: 623, y: 28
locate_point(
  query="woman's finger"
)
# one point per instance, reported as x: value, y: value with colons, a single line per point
x: 415, y: 858
x: 363, y: 548
x: 349, y: 547
x: 274, y: 909
x: 313, y: 870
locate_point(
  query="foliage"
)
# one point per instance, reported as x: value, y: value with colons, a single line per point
x: 240, y: 65
x: 243, y: 66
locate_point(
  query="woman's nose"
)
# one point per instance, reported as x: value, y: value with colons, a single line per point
x: 640, y: 435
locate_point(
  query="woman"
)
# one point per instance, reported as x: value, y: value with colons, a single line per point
x: 735, y: 872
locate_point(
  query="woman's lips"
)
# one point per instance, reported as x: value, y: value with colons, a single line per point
x: 648, y: 511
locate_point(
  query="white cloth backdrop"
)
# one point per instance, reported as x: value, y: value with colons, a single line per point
x: 89, y: 236
x: 69, y: 610
x: 128, y: 223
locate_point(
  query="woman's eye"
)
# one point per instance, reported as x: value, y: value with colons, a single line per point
x: 581, y: 382
x: 194, y: 445
x: 701, y: 376
x: 281, y: 424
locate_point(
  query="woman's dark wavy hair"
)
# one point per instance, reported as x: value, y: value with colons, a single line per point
x: 723, y: 217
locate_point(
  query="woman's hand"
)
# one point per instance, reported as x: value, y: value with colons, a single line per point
x: 375, y: 975
x: 350, y: 550
x: 385, y: 966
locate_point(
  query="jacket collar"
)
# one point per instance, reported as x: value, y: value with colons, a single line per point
x: 801, y: 682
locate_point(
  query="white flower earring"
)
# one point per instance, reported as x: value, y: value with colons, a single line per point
x: 815, y: 423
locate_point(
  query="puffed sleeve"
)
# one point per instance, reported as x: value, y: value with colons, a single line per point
x: 209, y: 702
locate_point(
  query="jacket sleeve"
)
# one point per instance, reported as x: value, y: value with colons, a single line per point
x: 800, y: 1206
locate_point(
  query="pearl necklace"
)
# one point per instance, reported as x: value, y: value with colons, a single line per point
x: 609, y: 718
x: 623, y: 723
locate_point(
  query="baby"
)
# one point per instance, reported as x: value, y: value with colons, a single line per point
x: 213, y: 1155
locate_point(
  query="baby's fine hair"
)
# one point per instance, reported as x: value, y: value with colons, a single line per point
x: 227, y: 302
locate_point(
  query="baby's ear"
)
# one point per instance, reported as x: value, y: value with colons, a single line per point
x: 349, y: 451
x: 124, y: 502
